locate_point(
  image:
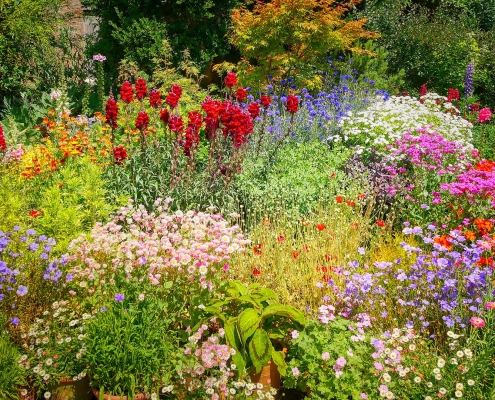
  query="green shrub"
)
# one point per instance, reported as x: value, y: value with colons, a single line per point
x: 12, y: 375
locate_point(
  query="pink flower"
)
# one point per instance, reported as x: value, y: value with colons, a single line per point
x: 490, y: 305
x: 477, y: 322
x: 294, y: 334
x: 295, y: 371
x: 378, y: 366
x: 325, y: 355
x: 364, y: 396
x: 485, y: 115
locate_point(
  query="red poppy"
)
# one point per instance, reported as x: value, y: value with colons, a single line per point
x: 332, y: 176
x: 35, y: 214
x: 485, y: 261
x: 380, y: 222
x: 328, y: 257
x: 361, y: 196
x: 280, y: 238
x: 320, y: 227
x: 295, y: 254
x: 256, y: 272
x: 257, y: 249
x: 339, y: 199
x: 306, y: 248
x: 354, y: 225
x: 350, y: 203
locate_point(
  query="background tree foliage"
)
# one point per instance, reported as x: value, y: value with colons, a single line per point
x: 34, y: 39
x: 286, y: 38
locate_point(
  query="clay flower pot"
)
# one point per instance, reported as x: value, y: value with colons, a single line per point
x: 268, y: 376
x: 139, y: 396
x: 68, y: 389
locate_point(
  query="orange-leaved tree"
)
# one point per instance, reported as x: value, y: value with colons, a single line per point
x: 286, y: 38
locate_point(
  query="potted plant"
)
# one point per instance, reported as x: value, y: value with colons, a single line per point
x: 129, y: 349
x: 328, y: 360
x: 255, y: 325
x: 54, y: 348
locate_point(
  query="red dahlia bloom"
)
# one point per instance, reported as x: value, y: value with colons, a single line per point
x: 141, y: 89
x: 231, y: 80
x: 241, y: 94
x: 176, y: 124
x: 111, y: 112
x: 3, y: 145
x: 254, y: 109
x: 119, y: 154
x: 155, y: 98
x: 142, y: 120
x: 265, y: 100
x: 164, y: 116
x: 292, y: 104
x: 126, y: 92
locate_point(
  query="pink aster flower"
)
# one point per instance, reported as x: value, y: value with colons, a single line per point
x: 490, y: 305
x: 477, y: 322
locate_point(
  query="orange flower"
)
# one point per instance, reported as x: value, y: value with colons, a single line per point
x: 444, y: 241
x: 332, y: 175
x: 304, y: 222
x: 339, y: 199
x: 361, y: 196
x: 320, y: 227
x: 280, y: 238
x: 35, y: 214
x: 328, y: 257
x: 470, y: 235
x: 257, y: 249
x: 350, y: 203
x: 295, y: 254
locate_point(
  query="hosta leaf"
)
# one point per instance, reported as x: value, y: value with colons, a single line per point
x: 247, y: 323
x: 260, y: 349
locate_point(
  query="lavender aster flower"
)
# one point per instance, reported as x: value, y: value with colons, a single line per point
x: 119, y: 297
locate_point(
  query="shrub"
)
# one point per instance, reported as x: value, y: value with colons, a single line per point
x: 13, y: 374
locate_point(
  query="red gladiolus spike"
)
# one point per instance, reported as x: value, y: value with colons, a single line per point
x: 292, y: 104
x: 320, y: 227
x: 231, y: 80
x: 111, y: 112
x: 164, y: 116
x: 3, y: 144
x: 155, y: 98
x: 142, y: 120
x: 256, y: 272
x: 265, y: 100
x: 141, y: 89
x: 126, y: 92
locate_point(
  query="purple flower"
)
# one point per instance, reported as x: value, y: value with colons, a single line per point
x: 99, y: 57
x: 295, y: 371
x: 14, y: 321
x: 22, y: 290
x: 119, y: 297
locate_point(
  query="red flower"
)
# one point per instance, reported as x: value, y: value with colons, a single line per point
x: 254, y: 109
x: 280, y: 238
x: 292, y: 104
x: 119, y: 154
x: 142, y: 120
x: 332, y: 175
x: 295, y: 254
x: 361, y: 196
x: 265, y: 100
x: 192, y: 132
x: 350, y: 203
x: 155, y: 98
x: 3, y: 145
x: 236, y: 123
x: 141, y: 89
x: 35, y: 214
x: 453, y: 95
x: 257, y: 249
x: 112, y: 111
x: 320, y: 227
x: 485, y: 115
x: 176, y: 124
x: 231, y: 80
x: 212, y: 109
x: 328, y: 257
x: 173, y: 97
x: 256, y: 272
x: 423, y: 90
x: 241, y: 94
x: 474, y: 107
x: 126, y: 92
x: 339, y: 199
x: 164, y: 116
x: 380, y: 222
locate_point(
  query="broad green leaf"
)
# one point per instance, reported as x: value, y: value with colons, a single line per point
x: 240, y: 287
x: 278, y: 358
x: 247, y: 323
x: 260, y: 349
x: 286, y: 311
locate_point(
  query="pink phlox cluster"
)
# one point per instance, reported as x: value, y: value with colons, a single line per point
x: 143, y: 244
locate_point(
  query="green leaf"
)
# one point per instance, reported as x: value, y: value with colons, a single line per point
x: 286, y: 311
x: 247, y: 323
x: 240, y: 361
x: 278, y: 358
x: 260, y: 349
x: 250, y: 300
x: 240, y: 287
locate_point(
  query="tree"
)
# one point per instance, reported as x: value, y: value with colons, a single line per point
x: 285, y: 38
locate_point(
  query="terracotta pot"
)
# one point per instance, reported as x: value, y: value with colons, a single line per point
x: 69, y: 389
x: 139, y: 396
x: 268, y: 376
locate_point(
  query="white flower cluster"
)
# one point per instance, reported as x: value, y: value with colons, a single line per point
x: 384, y: 122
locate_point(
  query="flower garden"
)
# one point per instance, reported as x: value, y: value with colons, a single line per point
x: 288, y: 239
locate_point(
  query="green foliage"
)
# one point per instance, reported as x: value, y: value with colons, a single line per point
x: 483, y: 140
x: 129, y: 348
x: 255, y: 323
x: 12, y: 376
x: 317, y: 371
x: 135, y: 30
